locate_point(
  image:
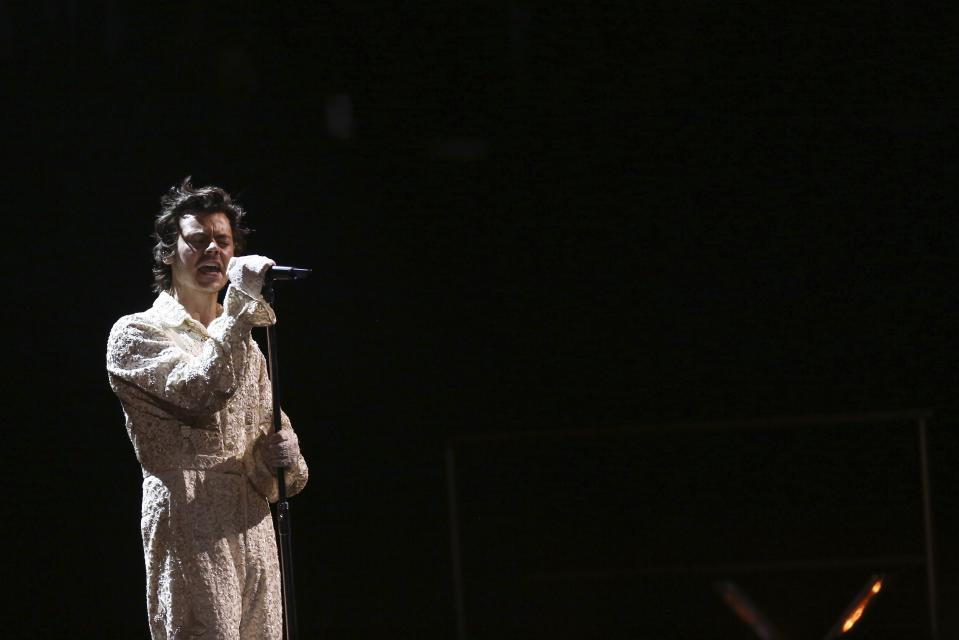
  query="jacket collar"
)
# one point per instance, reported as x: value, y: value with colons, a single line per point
x: 172, y: 314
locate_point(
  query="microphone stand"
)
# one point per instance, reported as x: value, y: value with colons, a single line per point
x: 283, y: 528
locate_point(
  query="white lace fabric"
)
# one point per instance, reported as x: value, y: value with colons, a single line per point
x: 197, y: 403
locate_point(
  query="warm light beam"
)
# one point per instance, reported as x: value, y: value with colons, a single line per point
x: 747, y: 611
x: 860, y: 606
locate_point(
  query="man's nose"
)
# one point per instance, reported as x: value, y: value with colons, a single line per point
x: 213, y: 247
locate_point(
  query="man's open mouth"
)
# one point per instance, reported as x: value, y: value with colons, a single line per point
x: 210, y: 268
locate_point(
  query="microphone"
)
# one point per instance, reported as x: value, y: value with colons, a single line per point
x: 279, y: 274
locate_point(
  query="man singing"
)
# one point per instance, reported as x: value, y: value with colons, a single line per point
x: 195, y: 392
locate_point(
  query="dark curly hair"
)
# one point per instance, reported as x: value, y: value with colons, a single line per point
x: 181, y: 200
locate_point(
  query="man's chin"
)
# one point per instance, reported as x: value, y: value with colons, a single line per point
x: 214, y: 286
x: 210, y: 279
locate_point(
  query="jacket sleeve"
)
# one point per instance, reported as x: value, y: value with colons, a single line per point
x: 141, y: 354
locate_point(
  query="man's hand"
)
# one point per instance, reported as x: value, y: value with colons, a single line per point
x: 247, y: 273
x: 281, y: 450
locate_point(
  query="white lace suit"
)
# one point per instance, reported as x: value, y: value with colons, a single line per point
x: 197, y: 404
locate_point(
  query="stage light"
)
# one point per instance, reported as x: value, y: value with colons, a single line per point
x: 747, y: 611
x: 855, y: 611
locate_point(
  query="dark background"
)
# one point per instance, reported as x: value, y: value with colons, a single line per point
x: 542, y: 218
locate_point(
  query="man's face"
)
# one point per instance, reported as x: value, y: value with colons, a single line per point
x: 203, y: 251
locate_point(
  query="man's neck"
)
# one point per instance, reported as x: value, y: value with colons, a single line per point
x: 201, y: 306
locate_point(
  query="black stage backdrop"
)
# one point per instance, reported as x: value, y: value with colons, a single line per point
x: 520, y: 217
